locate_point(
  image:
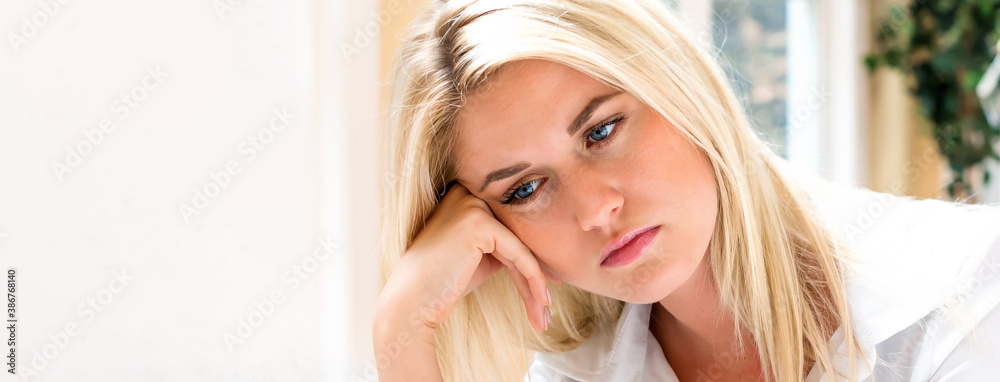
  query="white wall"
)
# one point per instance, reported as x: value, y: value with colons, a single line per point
x: 347, y: 99
x: 190, y: 281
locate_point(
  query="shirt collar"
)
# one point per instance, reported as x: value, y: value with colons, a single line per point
x: 629, y: 352
x: 610, y: 353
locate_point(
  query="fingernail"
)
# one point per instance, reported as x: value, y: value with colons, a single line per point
x: 549, y: 294
x: 548, y: 318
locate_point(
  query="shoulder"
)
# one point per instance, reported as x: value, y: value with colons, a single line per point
x: 960, y: 339
x: 925, y: 286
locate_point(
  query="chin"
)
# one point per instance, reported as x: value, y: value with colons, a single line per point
x: 645, y: 284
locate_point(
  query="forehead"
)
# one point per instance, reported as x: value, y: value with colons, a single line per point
x: 521, y: 114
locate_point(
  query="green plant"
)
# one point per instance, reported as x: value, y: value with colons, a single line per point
x: 944, y: 47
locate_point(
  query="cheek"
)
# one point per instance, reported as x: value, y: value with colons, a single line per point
x: 673, y: 183
x: 664, y: 163
x: 542, y: 235
x: 551, y: 241
x: 654, y: 165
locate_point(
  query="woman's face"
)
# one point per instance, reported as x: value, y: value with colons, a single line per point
x: 622, y: 167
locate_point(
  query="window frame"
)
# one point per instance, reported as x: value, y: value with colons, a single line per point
x: 825, y: 101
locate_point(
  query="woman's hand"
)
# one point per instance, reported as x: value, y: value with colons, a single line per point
x: 461, y: 245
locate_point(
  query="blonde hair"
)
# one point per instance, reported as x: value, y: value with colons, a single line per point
x: 777, y: 265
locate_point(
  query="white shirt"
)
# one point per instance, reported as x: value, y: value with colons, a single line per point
x: 916, y: 256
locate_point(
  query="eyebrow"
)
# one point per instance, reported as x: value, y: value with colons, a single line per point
x: 585, y: 114
x: 588, y: 111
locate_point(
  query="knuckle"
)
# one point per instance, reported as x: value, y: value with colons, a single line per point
x: 476, y: 228
x: 474, y: 220
x: 480, y: 219
x: 478, y: 204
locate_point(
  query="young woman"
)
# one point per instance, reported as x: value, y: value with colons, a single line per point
x: 588, y: 161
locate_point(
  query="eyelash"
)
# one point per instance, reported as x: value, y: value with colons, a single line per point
x: 508, y: 197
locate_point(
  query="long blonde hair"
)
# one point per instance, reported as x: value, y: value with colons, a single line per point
x: 776, y: 264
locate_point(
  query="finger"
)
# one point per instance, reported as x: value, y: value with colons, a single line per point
x: 488, y: 265
x: 534, y: 308
x: 508, y: 260
x: 520, y: 283
x: 510, y: 246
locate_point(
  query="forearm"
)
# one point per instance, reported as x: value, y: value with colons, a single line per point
x: 405, y: 351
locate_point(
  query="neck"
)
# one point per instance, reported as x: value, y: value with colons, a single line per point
x: 693, y: 328
x: 694, y: 312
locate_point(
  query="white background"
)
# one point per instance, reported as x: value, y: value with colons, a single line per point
x: 191, y: 281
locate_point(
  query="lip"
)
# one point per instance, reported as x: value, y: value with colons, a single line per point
x: 626, y: 239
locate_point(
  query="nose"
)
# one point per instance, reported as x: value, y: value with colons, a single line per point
x: 598, y: 201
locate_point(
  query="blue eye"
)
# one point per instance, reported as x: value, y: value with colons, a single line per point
x: 525, y: 190
x: 523, y: 193
x: 602, y: 131
x: 599, y: 133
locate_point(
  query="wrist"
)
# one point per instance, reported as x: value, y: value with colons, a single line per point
x: 393, y: 324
